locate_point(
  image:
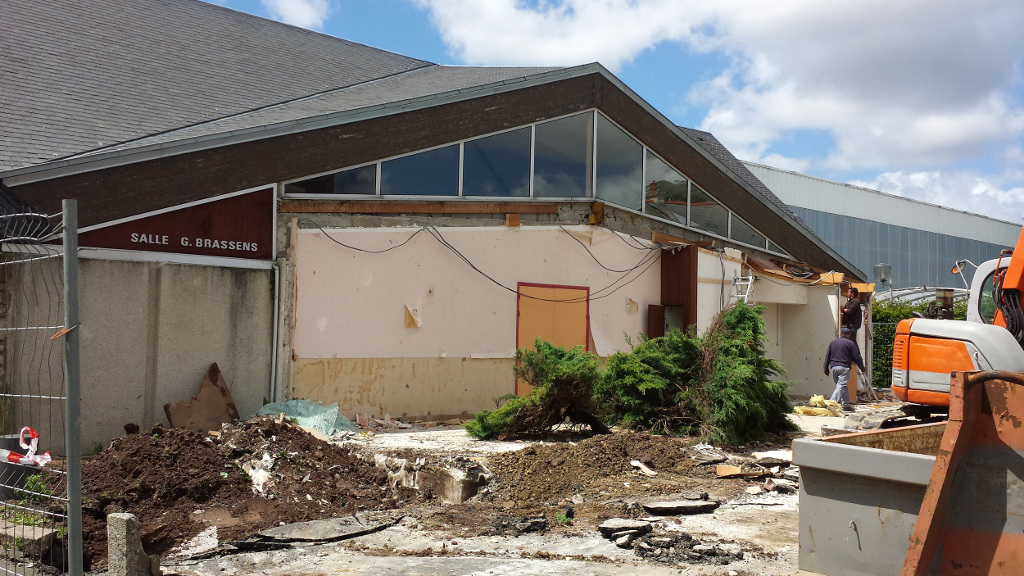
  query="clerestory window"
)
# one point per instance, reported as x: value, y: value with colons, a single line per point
x: 582, y: 155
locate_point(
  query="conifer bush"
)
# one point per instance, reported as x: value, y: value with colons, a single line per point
x: 719, y: 386
x: 563, y: 384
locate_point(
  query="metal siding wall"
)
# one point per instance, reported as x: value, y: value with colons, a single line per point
x: 918, y: 257
x: 807, y: 192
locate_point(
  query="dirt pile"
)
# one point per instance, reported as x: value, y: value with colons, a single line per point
x: 255, y: 475
x: 601, y: 465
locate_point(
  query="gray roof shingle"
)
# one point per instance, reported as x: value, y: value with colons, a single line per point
x: 419, y: 83
x: 78, y: 75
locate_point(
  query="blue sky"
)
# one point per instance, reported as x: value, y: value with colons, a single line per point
x: 921, y: 98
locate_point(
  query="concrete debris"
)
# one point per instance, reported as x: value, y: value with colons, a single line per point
x: 707, y: 454
x: 681, y: 507
x: 769, y: 462
x: 680, y: 547
x: 517, y: 527
x: 31, y: 542
x: 453, y: 480
x: 611, y: 528
x: 259, y: 472
x: 780, y: 485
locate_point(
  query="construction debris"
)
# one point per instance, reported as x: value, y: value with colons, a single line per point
x: 207, y: 410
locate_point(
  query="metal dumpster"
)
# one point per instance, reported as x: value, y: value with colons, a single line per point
x: 860, y: 495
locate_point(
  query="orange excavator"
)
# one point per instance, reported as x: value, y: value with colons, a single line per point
x: 926, y: 352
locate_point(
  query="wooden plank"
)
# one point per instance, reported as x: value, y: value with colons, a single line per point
x: 665, y: 238
x: 417, y: 207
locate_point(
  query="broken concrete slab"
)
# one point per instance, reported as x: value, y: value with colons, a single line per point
x: 680, y: 507
x: 208, y: 409
x: 332, y: 529
x: 31, y: 541
x: 614, y: 526
x: 453, y: 480
x: 125, y: 556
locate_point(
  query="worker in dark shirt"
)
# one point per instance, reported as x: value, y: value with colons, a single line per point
x: 852, y: 316
x: 842, y: 353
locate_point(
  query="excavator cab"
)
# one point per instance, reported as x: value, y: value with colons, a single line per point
x: 926, y: 352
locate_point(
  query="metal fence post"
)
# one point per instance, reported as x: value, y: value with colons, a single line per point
x: 73, y: 399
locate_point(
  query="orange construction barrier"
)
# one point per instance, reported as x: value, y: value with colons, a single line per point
x: 972, y: 518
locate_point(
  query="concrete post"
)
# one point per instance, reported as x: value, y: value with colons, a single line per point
x: 125, y: 556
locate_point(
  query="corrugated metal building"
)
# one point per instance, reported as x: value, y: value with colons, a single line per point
x: 920, y: 241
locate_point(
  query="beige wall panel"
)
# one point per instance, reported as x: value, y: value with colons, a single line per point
x: 404, y: 387
x: 352, y: 304
x: 808, y: 329
x: 778, y: 291
x: 151, y: 330
x: 773, y: 332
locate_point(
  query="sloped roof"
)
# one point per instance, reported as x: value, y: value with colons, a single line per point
x: 431, y: 81
x: 708, y: 141
x: 78, y: 75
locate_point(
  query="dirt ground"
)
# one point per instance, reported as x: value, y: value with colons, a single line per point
x: 264, y: 473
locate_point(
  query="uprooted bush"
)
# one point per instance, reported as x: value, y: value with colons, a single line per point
x: 719, y: 385
x: 563, y: 383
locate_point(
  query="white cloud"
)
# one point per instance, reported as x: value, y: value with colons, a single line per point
x: 303, y: 13
x: 558, y: 33
x: 1000, y: 197
x: 916, y: 86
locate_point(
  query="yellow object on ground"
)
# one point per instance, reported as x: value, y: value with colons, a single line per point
x: 811, y: 411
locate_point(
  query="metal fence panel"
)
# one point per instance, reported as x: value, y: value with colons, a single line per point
x: 35, y: 533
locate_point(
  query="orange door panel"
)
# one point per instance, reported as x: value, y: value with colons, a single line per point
x: 557, y: 314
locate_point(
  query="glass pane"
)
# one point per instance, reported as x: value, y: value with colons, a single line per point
x: 986, y: 302
x: 775, y: 247
x: 355, y: 181
x: 707, y: 214
x: 433, y: 173
x: 619, y: 166
x: 561, y: 167
x: 497, y: 165
x: 743, y: 232
x: 665, y: 194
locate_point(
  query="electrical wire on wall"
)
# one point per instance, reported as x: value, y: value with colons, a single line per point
x: 651, y: 255
x: 721, y: 260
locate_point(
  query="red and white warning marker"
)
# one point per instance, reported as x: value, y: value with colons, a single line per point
x: 30, y: 458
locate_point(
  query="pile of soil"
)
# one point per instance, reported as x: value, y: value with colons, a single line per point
x: 589, y: 481
x: 179, y: 483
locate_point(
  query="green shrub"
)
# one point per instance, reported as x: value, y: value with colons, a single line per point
x: 563, y: 383
x: 718, y: 385
x: 885, y: 315
x: 35, y: 489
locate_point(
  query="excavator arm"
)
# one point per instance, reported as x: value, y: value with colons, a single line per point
x: 1008, y: 289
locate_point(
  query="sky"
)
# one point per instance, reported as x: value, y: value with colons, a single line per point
x: 918, y: 98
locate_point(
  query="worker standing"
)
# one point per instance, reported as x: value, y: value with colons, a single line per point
x: 852, y: 316
x: 842, y: 353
